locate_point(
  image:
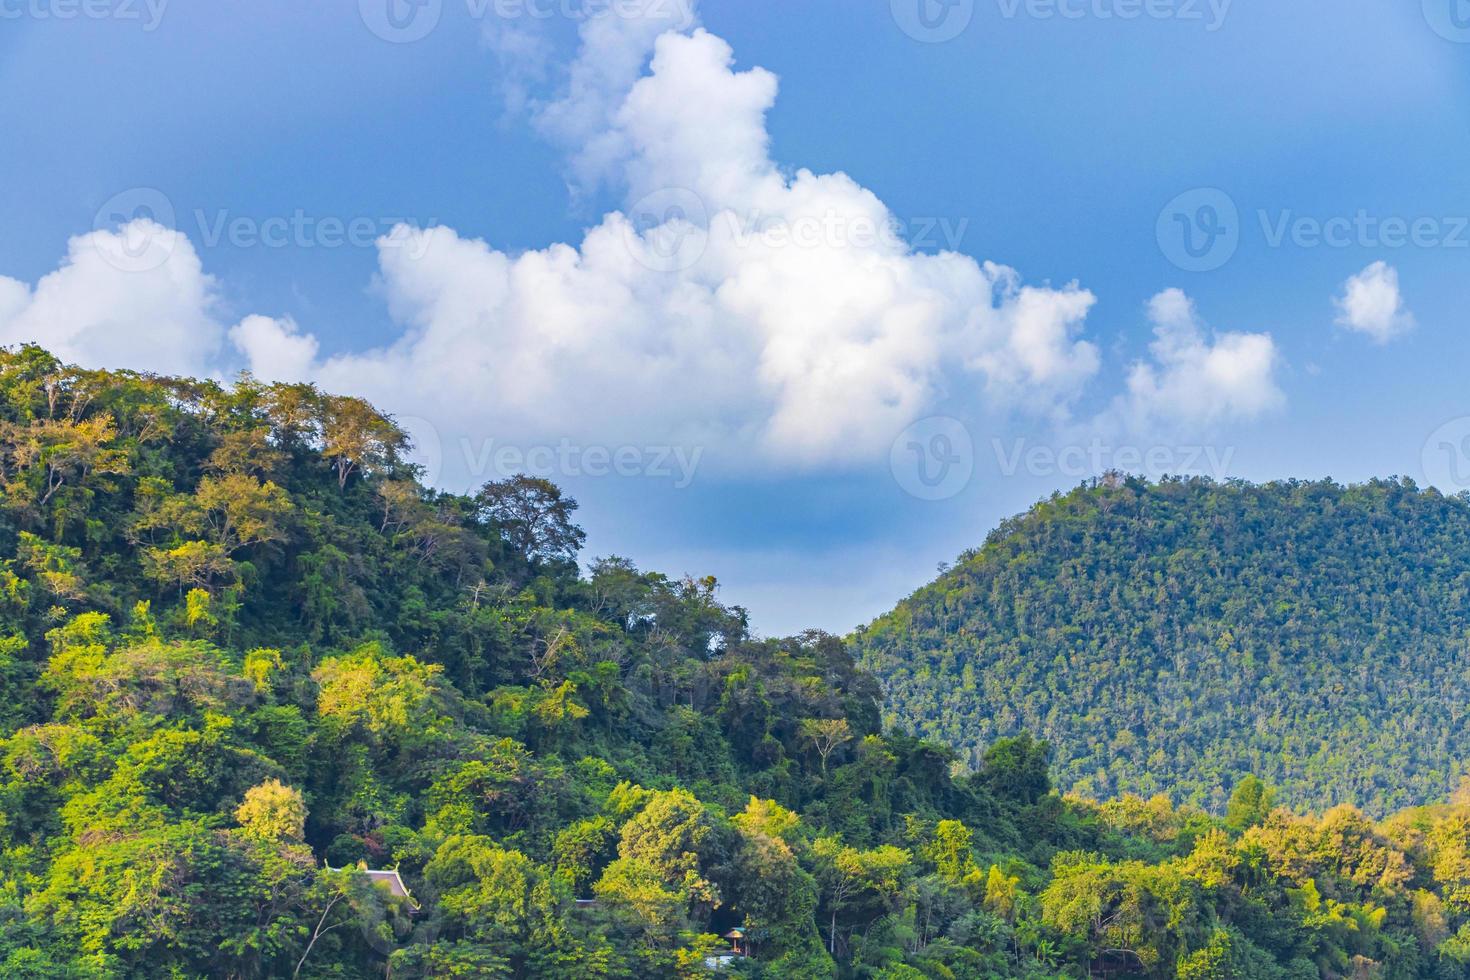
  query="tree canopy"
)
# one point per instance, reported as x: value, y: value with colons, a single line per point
x: 1177, y: 636
x: 247, y: 658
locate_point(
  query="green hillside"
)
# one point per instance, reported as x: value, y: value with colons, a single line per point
x: 247, y: 658
x: 1173, y: 637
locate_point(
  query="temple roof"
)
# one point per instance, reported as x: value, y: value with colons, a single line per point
x: 387, y: 878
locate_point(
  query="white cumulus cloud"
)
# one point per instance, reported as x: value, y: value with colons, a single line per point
x: 1195, y: 379
x: 275, y: 349
x: 1371, y: 304
x: 777, y: 318
x: 134, y: 297
x: 771, y: 317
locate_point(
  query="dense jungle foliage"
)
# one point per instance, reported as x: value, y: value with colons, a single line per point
x: 1176, y: 636
x: 246, y: 657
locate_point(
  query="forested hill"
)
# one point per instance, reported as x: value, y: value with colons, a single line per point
x: 247, y: 658
x: 1171, y: 637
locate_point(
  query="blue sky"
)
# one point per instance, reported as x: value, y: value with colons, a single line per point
x: 1047, y: 138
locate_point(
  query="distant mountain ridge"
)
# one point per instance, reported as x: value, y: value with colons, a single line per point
x: 1171, y: 637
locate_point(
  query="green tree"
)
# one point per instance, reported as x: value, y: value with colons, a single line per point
x: 1250, y: 803
x: 272, y: 811
x: 1018, y: 769
x: 534, y: 516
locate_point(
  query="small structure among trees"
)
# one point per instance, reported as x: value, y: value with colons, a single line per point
x: 390, y: 881
x: 738, y: 945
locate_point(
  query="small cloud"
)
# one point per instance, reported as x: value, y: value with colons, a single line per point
x: 275, y: 348
x: 1196, y: 378
x: 1371, y: 304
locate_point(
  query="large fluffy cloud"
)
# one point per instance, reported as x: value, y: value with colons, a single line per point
x: 776, y: 317
x: 1371, y: 304
x: 768, y: 317
x: 136, y: 296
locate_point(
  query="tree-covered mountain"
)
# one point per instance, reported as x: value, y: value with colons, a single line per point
x: 246, y: 659
x: 1172, y: 637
